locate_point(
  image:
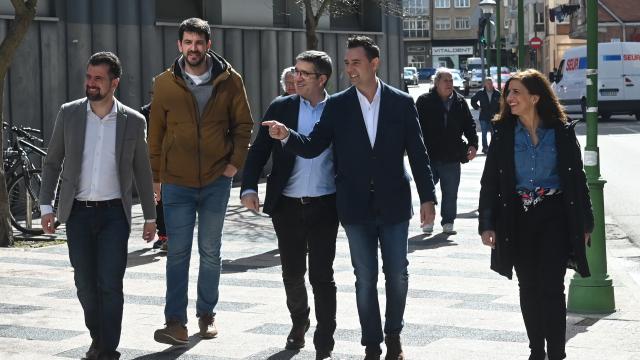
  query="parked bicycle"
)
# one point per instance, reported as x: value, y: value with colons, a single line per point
x: 23, y: 177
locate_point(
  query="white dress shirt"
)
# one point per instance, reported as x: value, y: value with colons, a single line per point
x: 99, y: 173
x: 370, y: 112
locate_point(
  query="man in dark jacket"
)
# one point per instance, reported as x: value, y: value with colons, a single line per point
x: 302, y: 203
x: 444, y: 117
x: 489, y: 105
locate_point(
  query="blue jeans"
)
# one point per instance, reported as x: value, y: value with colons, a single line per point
x: 181, y: 204
x: 363, y: 244
x: 448, y: 174
x: 485, y: 127
x: 97, y: 240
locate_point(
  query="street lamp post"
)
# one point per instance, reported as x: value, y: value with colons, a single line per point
x: 486, y: 7
x: 593, y: 294
x: 521, y: 53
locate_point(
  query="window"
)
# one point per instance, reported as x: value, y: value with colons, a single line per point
x: 418, y: 61
x: 443, y: 23
x: 462, y: 3
x: 539, y: 17
x: 442, y: 4
x: 415, y: 7
x: 415, y: 28
x: 462, y: 23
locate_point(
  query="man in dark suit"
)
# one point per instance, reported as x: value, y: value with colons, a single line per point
x: 302, y: 204
x: 371, y: 125
x: 102, y: 144
x: 489, y: 105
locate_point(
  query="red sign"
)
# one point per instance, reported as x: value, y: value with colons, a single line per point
x: 535, y: 43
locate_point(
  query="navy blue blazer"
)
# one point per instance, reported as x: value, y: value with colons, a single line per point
x: 285, y: 110
x: 360, y: 167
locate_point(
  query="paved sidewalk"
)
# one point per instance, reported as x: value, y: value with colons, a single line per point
x: 457, y: 308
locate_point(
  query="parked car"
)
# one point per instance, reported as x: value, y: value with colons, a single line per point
x: 475, y: 81
x: 503, y: 80
x: 410, y: 77
x: 426, y: 73
x: 458, y: 83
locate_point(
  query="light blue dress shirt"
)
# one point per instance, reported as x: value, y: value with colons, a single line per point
x: 536, y: 166
x: 311, y: 177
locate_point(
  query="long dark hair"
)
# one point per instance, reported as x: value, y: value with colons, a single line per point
x: 548, y: 107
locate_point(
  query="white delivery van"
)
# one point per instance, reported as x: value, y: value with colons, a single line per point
x: 618, y: 79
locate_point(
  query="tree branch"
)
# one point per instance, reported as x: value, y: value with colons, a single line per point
x: 25, y: 12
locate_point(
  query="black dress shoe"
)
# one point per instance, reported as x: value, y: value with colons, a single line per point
x: 394, y: 348
x: 295, y: 340
x: 323, y: 355
x: 372, y: 353
x: 92, y: 353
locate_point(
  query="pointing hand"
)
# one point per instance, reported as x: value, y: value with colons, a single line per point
x: 276, y: 130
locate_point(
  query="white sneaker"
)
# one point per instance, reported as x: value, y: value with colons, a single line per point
x: 448, y: 229
x: 428, y: 229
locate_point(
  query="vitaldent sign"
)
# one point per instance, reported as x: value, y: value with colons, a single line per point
x: 452, y: 50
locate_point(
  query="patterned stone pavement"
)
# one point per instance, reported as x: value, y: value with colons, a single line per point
x: 457, y: 308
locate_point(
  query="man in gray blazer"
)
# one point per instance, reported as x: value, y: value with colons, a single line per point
x: 102, y: 145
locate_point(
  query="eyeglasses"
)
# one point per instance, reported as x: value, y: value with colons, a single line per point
x: 305, y: 74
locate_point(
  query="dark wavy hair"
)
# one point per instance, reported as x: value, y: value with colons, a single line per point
x: 548, y: 107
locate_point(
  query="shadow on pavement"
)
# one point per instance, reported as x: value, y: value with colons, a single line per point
x: 260, y: 261
x: 143, y: 257
x: 283, y: 355
x: 473, y: 214
x: 423, y: 242
x: 579, y: 327
x: 173, y: 352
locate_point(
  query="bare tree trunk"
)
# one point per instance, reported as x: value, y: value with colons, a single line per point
x: 312, y: 36
x: 25, y: 12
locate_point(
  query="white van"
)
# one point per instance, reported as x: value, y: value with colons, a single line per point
x: 618, y: 79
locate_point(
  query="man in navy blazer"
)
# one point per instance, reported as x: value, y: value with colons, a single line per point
x: 302, y: 203
x: 371, y: 126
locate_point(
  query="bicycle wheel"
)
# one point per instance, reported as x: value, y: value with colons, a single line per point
x: 23, y: 202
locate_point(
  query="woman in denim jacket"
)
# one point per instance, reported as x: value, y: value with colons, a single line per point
x: 535, y: 211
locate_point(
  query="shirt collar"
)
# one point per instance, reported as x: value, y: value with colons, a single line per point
x: 324, y: 100
x: 114, y: 108
x: 375, y: 97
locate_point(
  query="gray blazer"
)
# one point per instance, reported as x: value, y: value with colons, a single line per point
x: 67, y: 145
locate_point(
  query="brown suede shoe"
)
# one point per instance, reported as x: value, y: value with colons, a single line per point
x: 394, y: 348
x: 174, y: 333
x: 207, y: 327
x: 295, y: 340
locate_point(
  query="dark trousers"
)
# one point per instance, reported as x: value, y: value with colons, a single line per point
x: 97, y: 240
x: 162, y: 230
x: 309, y: 228
x: 541, y: 261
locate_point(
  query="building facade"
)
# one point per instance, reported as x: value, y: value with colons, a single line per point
x: 444, y: 33
x: 258, y: 37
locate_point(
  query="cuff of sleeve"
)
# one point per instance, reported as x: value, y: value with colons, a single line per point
x: 46, y: 209
x: 248, y: 191
x: 148, y: 221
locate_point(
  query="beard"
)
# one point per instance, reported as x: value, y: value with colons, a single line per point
x: 95, y: 96
x: 197, y: 62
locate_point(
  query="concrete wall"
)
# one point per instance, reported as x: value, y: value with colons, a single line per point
x: 49, y: 66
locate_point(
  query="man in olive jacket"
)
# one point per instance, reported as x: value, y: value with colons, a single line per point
x: 199, y: 134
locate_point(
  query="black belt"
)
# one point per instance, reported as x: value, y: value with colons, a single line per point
x: 305, y: 200
x: 97, y: 204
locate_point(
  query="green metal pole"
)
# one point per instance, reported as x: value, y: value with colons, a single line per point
x: 487, y: 35
x: 593, y: 294
x: 498, y: 43
x: 521, y: 53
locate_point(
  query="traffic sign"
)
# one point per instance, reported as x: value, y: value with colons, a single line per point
x: 535, y: 42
